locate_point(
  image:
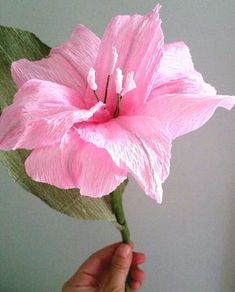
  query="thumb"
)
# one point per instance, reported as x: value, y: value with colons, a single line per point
x: 119, y: 269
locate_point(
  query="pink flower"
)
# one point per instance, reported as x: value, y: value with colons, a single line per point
x: 96, y: 110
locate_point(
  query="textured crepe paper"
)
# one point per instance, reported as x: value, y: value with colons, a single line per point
x: 16, y: 44
x: 65, y: 109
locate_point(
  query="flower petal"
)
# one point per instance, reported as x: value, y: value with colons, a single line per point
x: 142, y: 57
x: 182, y: 114
x: 44, y: 165
x: 75, y: 164
x: 177, y: 74
x: 137, y: 144
x: 67, y: 64
x: 42, y: 112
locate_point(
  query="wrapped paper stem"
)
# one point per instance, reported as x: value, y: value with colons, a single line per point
x: 122, y: 226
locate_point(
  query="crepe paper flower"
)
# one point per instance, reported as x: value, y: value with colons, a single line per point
x: 95, y: 111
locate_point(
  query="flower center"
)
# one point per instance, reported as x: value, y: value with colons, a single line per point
x: 129, y: 83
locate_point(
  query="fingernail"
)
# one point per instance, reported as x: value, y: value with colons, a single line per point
x: 124, y: 250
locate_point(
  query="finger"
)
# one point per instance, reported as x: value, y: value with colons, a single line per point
x: 119, y: 269
x: 138, y: 258
x: 99, y: 259
x: 83, y: 279
x: 88, y: 273
x: 135, y: 285
x: 137, y: 274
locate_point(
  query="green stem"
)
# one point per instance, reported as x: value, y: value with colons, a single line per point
x: 117, y: 208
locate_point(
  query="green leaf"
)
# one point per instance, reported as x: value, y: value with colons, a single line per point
x: 16, y: 44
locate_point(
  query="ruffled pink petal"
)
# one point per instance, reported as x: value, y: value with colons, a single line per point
x: 44, y: 165
x: 67, y: 64
x: 42, y: 112
x: 181, y: 114
x: 177, y: 74
x: 137, y: 144
x: 75, y: 164
x: 139, y: 41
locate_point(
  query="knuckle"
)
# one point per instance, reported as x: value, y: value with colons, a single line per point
x: 114, y: 289
x: 119, y: 267
x: 117, y: 289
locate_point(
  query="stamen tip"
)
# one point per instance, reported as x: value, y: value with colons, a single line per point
x: 119, y: 80
x: 113, y: 61
x: 91, y: 79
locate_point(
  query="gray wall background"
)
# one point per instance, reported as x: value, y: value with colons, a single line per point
x: 189, y: 241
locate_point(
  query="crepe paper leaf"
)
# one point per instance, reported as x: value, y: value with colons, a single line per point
x: 17, y: 44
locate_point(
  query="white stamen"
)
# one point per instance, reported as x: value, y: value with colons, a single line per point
x: 129, y: 83
x: 119, y: 81
x: 113, y: 61
x: 91, y: 79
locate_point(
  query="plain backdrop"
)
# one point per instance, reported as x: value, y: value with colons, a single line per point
x: 189, y: 240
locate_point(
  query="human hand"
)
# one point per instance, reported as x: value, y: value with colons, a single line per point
x: 107, y: 270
